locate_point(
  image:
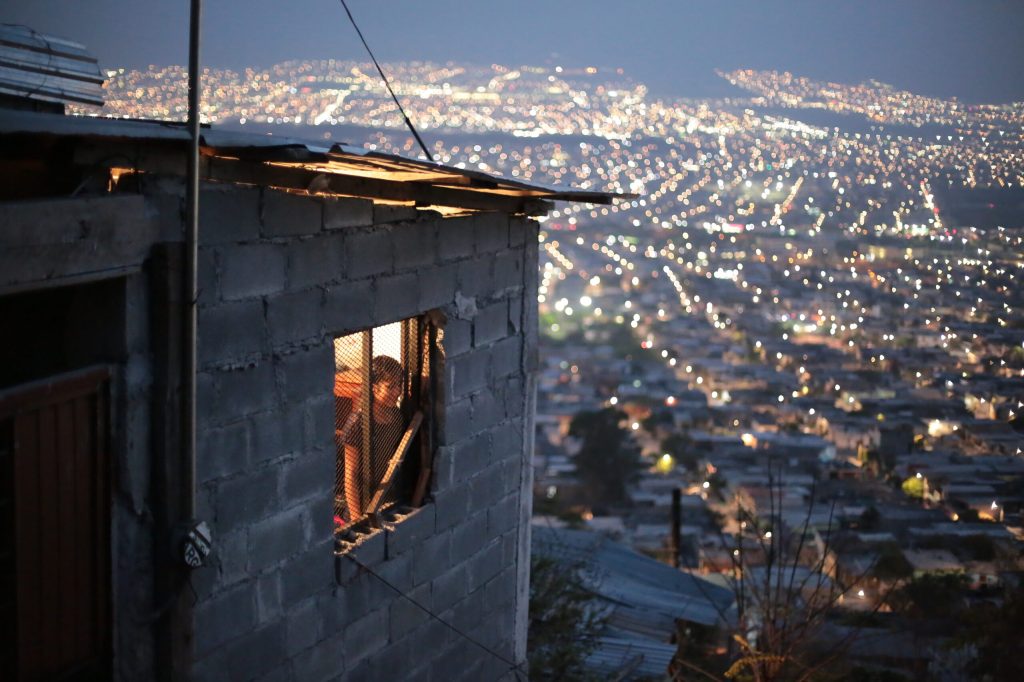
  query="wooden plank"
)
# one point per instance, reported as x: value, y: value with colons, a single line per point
x: 85, y: 576
x: 395, y: 462
x: 27, y: 541
x: 30, y: 396
x: 65, y: 557
x: 101, y: 549
x: 290, y: 176
x: 49, y: 530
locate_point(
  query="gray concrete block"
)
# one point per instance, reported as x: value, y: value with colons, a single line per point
x: 207, y: 396
x: 469, y: 537
x: 349, y: 307
x: 468, y: 616
x: 389, y: 213
x: 169, y: 209
x: 485, y: 489
x: 449, y: 588
x: 500, y: 592
x: 224, y: 617
x: 268, y: 597
x: 410, y: 656
x: 458, y: 336
x: 508, y: 270
x: 369, y: 254
x: 503, y: 515
x: 397, y: 297
x: 437, y: 286
x: 506, y: 358
x: 406, y: 616
x: 518, y: 232
x: 319, y: 424
x: 454, y: 422
x: 415, y: 244
x: 470, y: 456
x: 208, y: 277
x: 231, y: 332
x: 363, y: 594
x: 307, y: 374
x: 454, y: 661
x: 433, y: 557
x: 324, y: 661
x: 490, y: 232
x: 371, y: 551
x: 276, y: 539
x: 510, y: 547
x: 485, y: 565
x: 476, y: 276
x: 488, y: 409
x: 456, y: 238
x: 490, y: 323
x: 308, y: 475
x: 302, y: 626
x: 229, y: 551
x: 309, y: 573
x: 222, y: 452
x: 228, y: 214
x: 515, y: 312
x: 514, y: 394
x: 512, y: 474
x: 250, y: 270
x: 290, y: 215
x: 316, y: 262
x: 451, y: 506
x: 443, y: 475
x: 280, y: 673
x: 243, y: 392
x: 410, y: 531
x: 319, y: 519
x: 246, y: 499
x: 469, y: 372
x: 295, y: 318
x: 396, y: 572
x: 275, y: 434
x: 365, y: 636
x: 340, y: 213
x: 508, y: 441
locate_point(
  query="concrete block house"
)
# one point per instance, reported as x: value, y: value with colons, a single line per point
x: 367, y: 339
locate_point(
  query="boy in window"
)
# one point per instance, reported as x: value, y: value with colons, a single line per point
x: 362, y: 469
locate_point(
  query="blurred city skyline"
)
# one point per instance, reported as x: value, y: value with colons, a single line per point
x: 946, y: 49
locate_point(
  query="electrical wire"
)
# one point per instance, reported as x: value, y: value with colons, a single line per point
x: 387, y: 83
x: 513, y: 666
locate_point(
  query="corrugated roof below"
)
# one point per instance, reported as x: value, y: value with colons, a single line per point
x: 46, y: 68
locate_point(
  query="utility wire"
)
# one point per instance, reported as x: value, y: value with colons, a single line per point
x: 513, y: 667
x: 387, y: 84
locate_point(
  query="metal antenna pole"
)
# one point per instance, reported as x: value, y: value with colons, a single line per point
x: 191, y: 271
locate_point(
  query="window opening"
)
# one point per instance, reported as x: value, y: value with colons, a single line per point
x: 381, y: 387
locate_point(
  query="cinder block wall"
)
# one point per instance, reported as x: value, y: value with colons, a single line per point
x: 281, y: 276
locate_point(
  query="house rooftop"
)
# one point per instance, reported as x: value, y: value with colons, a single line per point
x: 271, y: 161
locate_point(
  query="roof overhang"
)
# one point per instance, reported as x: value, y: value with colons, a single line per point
x: 291, y: 164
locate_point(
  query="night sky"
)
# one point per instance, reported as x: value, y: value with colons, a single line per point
x: 971, y: 49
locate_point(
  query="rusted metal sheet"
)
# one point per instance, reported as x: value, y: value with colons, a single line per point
x: 59, y: 448
x: 46, y: 68
x: 288, y: 163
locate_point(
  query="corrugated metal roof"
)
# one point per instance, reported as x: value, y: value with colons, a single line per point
x: 47, y: 68
x: 296, y: 164
x: 630, y: 658
x: 649, y: 593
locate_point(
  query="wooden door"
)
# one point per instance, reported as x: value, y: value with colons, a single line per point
x: 54, y: 447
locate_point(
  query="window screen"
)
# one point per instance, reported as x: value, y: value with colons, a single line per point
x: 380, y: 391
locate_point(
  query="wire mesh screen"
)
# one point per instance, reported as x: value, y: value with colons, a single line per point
x: 377, y: 391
